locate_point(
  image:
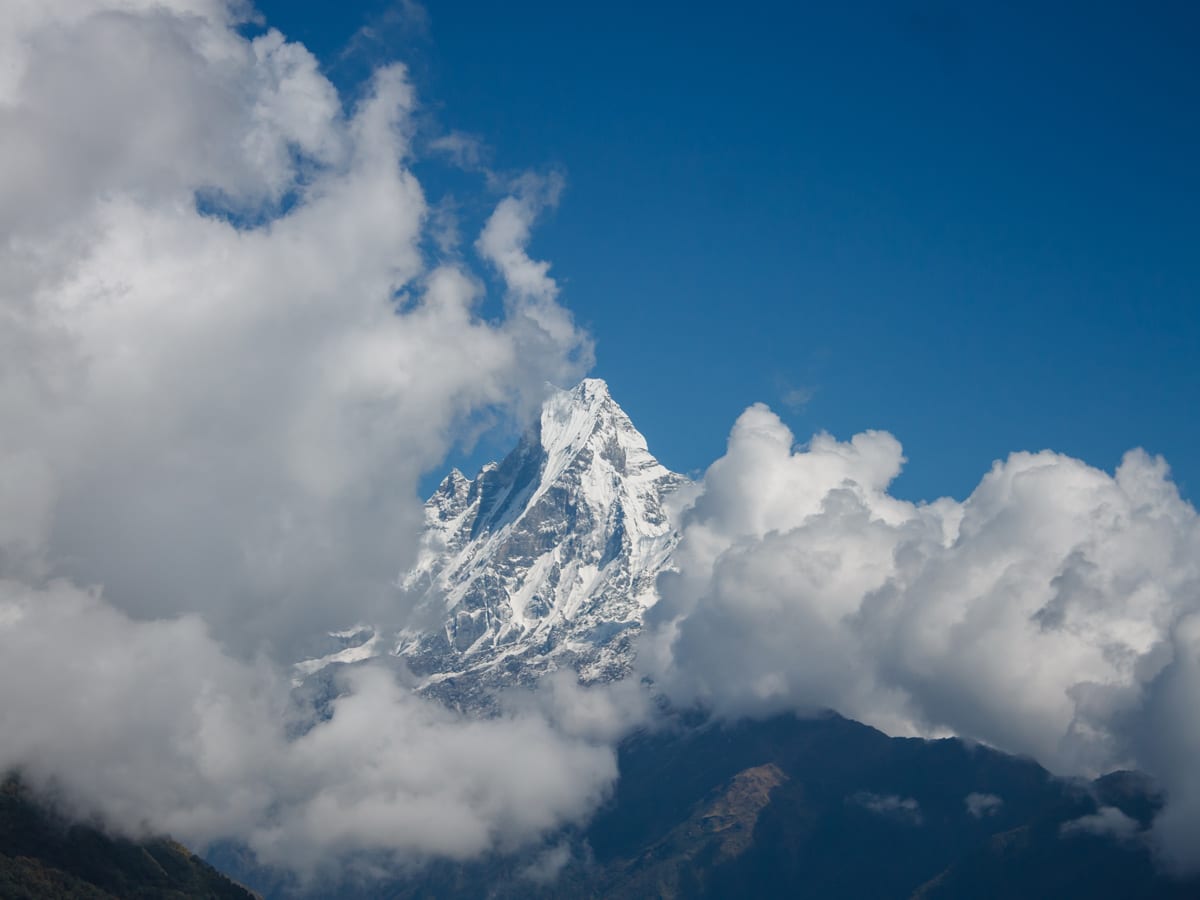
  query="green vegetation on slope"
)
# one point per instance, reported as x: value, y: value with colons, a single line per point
x: 42, y: 856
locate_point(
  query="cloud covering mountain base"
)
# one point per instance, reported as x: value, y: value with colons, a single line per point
x: 155, y: 728
x: 1053, y: 613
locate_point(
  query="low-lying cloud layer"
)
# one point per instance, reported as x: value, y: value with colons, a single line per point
x: 154, y: 727
x: 1053, y: 613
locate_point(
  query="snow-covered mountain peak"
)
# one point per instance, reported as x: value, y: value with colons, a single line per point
x: 546, y: 558
x: 587, y: 414
x: 588, y: 391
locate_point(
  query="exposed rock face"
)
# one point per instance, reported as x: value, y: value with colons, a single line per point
x: 734, y: 813
x: 547, y: 559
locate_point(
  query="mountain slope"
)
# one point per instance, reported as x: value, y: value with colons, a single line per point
x: 826, y: 807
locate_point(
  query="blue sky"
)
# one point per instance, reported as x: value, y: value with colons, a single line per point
x: 975, y: 226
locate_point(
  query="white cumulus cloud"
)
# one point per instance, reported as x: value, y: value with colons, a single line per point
x: 890, y: 806
x: 1052, y: 613
x: 981, y: 805
x: 1108, y: 821
x: 224, y: 366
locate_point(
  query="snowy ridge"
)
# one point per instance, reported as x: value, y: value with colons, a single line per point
x: 546, y: 559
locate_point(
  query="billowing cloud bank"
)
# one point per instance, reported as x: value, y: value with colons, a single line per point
x: 225, y: 361
x: 1055, y: 612
x: 154, y: 727
x: 257, y: 403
